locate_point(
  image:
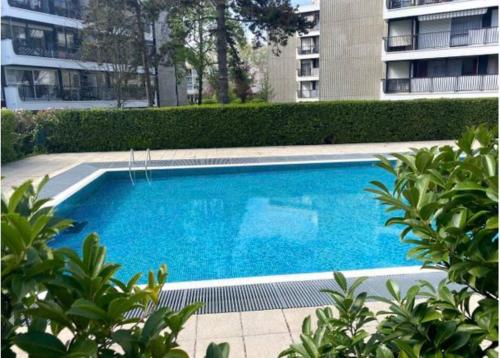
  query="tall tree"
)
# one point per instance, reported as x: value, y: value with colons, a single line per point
x: 107, y: 40
x: 145, y: 13
x: 191, y: 26
x: 272, y: 21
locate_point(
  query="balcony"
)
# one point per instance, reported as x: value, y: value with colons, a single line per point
x: 27, y: 48
x: 474, y: 83
x: 308, y: 72
x: 308, y: 50
x: 397, y: 4
x: 303, y: 94
x: 446, y: 39
x: 54, y: 93
x: 69, y: 9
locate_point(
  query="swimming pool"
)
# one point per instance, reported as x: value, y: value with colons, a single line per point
x: 242, y: 221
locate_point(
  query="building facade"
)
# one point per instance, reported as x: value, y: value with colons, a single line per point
x: 390, y: 49
x: 43, y: 67
x: 436, y: 49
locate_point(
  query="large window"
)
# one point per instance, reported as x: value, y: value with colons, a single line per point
x: 33, y: 84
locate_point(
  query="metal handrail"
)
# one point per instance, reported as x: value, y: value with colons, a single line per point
x: 131, y: 162
x: 146, y: 161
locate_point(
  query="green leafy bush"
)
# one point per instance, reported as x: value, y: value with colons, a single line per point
x: 21, y: 135
x: 58, y: 304
x: 9, y: 136
x: 264, y: 124
x: 447, y: 201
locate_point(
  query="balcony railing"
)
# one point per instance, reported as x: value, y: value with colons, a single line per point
x: 474, y: 83
x: 308, y: 72
x: 307, y: 50
x: 308, y: 93
x: 396, y: 4
x: 69, y: 10
x: 28, y: 48
x: 445, y: 39
x: 54, y: 93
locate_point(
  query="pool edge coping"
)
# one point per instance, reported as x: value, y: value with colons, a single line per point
x: 253, y: 280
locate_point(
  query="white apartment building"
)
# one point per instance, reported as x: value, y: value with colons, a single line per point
x: 308, y: 52
x: 440, y: 48
x: 42, y: 65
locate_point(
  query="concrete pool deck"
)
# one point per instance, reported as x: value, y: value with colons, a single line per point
x: 251, y: 333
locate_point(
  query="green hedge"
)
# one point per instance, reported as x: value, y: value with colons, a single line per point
x: 263, y: 125
x: 9, y: 136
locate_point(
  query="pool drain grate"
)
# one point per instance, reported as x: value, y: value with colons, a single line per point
x: 279, y: 295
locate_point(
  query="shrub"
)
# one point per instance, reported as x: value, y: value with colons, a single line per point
x: 265, y: 124
x: 46, y: 291
x: 9, y: 136
x: 447, y: 202
x: 20, y: 136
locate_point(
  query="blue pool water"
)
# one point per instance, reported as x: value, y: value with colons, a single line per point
x: 238, y: 222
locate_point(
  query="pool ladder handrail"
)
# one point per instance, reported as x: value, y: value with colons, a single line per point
x: 131, y: 163
x: 146, y: 162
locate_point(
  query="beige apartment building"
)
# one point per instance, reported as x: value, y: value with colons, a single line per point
x: 390, y: 49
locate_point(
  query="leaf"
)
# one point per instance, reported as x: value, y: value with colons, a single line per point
x: 393, y: 289
x: 340, y: 279
x: 17, y: 195
x: 384, y: 352
x: 83, y: 347
x: 87, y: 309
x: 39, y: 344
x: 217, y: 350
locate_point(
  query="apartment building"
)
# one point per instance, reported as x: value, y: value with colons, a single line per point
x: 43, y: 67
x: 390, y: 49
x: 437, y: 48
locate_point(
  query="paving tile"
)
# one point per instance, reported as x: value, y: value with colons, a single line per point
x: 266, y: 346
x: 221, y: 325
x: 263, y: 322
x: 295, y: 317
x: 236, y: 347
x: 188, y: 346
x: 189, y: 330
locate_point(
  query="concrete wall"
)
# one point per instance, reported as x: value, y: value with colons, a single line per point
x: 350, y: 52
x: 283, y: 72
x: 168, y: 95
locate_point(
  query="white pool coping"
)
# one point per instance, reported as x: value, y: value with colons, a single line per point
x: 401, y: 270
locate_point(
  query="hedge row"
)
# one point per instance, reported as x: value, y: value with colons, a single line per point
x: 261, y: 125
x: 9, y: 136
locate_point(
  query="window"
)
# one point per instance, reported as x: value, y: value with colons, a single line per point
x: 33, y: 84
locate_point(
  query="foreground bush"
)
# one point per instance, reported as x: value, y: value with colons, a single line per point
x: 46, y: 292
x: 447, y: 202
x: 263, y: 124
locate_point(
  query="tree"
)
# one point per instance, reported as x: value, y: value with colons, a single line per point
x: 273, y: 21
x: 446, y: 202
x: 108, y: 41
x: 191, y: 26
x: 258, y: 60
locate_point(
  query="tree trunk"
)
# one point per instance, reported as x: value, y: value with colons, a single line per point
x: 222, y: 51
x: 200, y: 86
x: 144, y: 54
x: 201, y: 60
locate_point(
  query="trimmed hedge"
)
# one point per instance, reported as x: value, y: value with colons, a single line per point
x: 9, y: 136
x: 264, y: 125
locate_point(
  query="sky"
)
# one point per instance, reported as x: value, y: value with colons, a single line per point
x: 301, y: 2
